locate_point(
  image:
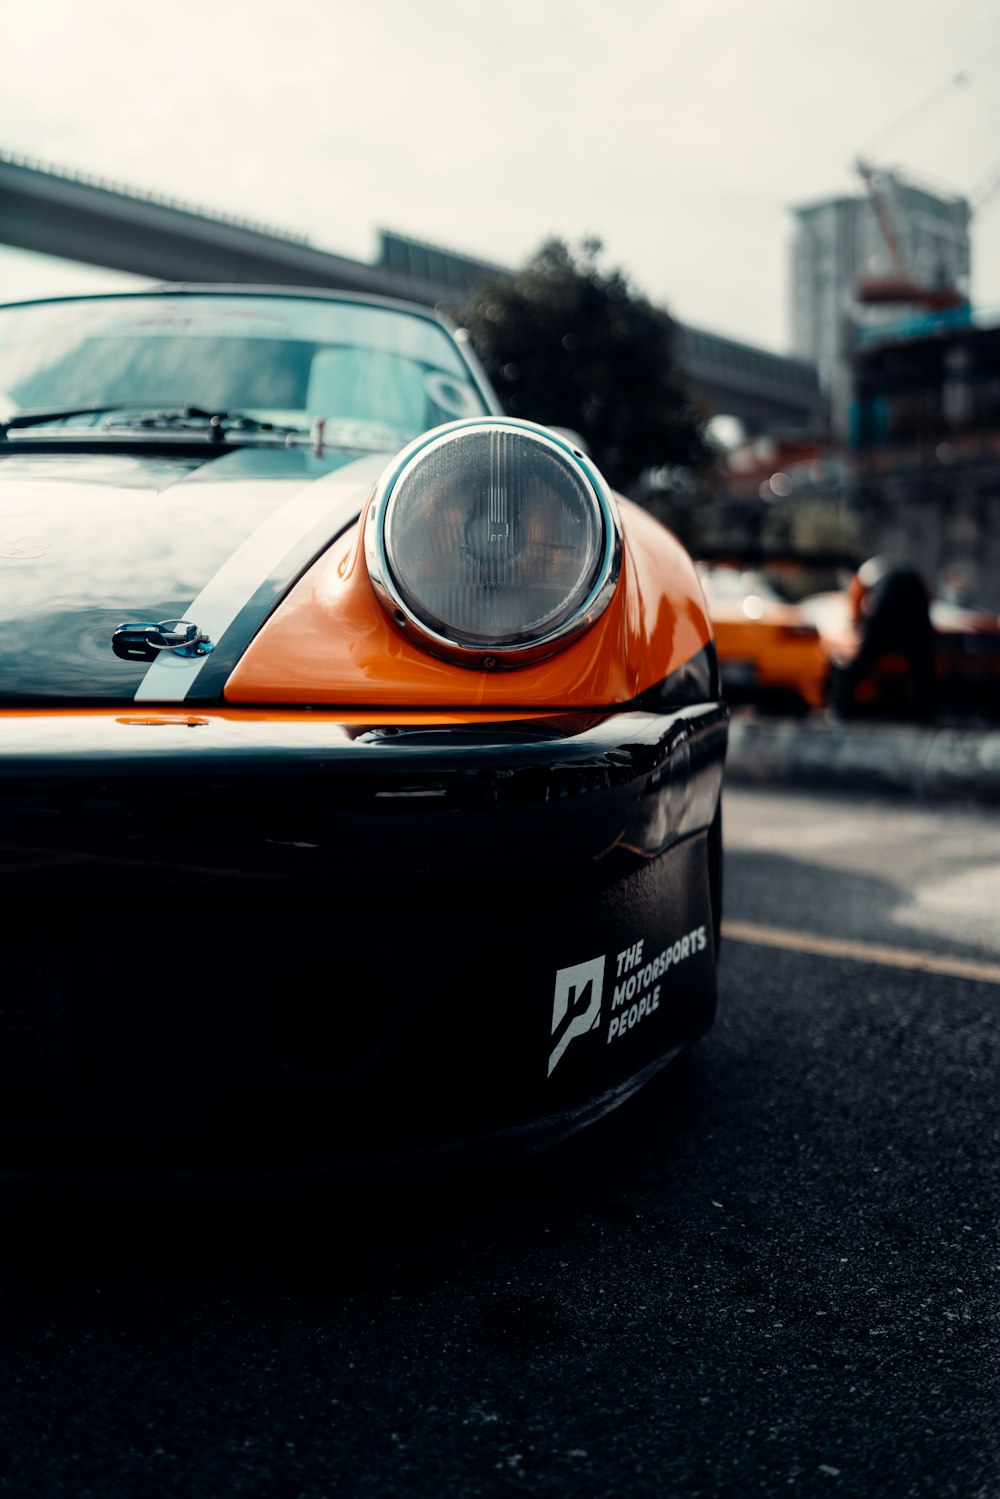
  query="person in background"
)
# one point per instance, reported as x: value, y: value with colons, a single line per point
x: 890, y: 604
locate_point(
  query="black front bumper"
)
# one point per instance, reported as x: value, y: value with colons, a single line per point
x: 241, y: 947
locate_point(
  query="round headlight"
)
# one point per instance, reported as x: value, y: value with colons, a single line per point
x: 494, y: 541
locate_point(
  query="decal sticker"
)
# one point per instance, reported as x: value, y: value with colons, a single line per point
x: 452, y: 395
x: 582, y: 983
x: 637, y: 994
x: 578, y: 1002
x: 167, y: 321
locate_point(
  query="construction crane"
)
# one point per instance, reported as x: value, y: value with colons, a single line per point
x: 899, y: 285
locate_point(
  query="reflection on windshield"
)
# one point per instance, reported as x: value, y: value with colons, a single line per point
x: 374, y: 374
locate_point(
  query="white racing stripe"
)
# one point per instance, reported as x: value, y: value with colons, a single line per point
x: 335, y: 499
x: 860, y: 952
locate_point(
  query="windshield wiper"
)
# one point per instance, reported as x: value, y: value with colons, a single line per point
x: 41, y: 415
x: 217, y: 425
x: 145, y: 416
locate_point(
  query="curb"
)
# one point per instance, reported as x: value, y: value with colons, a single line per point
x: 927, y: 764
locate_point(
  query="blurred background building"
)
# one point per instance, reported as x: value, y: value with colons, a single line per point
x: 925, y: 445
x: 899, y: 245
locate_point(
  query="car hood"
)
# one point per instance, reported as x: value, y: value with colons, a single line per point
x: 89, y: 541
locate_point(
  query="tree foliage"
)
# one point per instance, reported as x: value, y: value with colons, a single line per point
x: 570, y: 345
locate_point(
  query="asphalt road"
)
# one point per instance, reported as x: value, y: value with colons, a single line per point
x: 774, y: 1273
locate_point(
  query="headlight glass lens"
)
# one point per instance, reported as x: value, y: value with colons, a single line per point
x: 494, y: 537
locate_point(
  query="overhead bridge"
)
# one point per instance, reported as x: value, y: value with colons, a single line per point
x: 102, y: 223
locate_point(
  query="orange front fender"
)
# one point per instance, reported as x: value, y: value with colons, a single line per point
x: 331, y: 642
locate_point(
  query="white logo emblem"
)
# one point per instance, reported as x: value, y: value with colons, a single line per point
x: 576, y: 1006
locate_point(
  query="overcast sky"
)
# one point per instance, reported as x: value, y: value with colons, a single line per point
x: 677, y: 131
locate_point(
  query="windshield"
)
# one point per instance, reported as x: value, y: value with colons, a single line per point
x: 377, y: 376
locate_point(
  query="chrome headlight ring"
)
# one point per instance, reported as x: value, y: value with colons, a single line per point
x: 493, y: 542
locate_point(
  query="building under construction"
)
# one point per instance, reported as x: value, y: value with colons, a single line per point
x: 880, y: 287
x: 925, y: 441
x: 860, y: 261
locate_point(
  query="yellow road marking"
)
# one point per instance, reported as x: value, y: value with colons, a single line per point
x: 861, y: 952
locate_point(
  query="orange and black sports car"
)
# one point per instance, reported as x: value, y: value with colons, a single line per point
x: 360, y: 750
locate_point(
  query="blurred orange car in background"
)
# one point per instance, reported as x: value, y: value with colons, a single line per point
x: 770, y: 652
x: 966, y: 654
